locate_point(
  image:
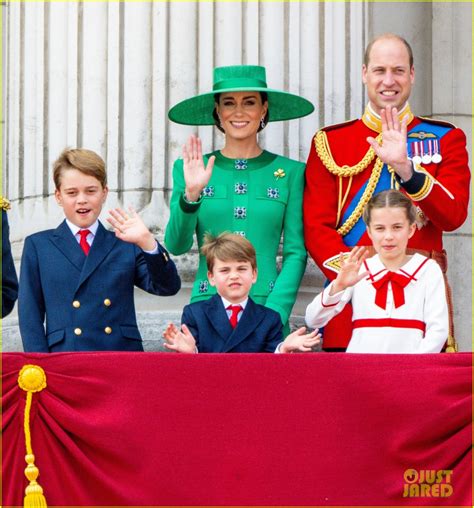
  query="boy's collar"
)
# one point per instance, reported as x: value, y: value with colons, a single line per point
x: 75, y: 229
x: 226, y: 303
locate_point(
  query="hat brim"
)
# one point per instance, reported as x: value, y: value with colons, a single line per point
x: 281, y: 106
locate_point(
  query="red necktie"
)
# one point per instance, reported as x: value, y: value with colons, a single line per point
x: 235, y: 312
x: 83, y: 241
x: 398, y: 284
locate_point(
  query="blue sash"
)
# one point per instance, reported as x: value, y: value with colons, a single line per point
x: 355, y: 234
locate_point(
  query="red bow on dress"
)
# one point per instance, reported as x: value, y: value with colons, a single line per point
x: 398, y: 284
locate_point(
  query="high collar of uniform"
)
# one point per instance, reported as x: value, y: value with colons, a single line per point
x: 374, y: 122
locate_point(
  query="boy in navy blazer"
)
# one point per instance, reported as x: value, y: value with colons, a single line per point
x: 80, y: 277
x: 230, y: 321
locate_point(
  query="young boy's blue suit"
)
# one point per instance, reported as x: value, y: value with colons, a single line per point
x: 87, y: 300
x: 259, y: 329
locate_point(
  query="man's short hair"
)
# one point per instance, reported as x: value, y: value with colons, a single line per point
x: 228, y: 247
x: 85, y: 161
x: 388, y: 36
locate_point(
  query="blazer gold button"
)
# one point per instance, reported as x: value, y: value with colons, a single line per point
x: 76, y: 304
x: 107, y: 302
x: 108, y: 330
x: 77, y: 331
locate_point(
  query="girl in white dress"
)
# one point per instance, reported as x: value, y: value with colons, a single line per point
x: 399, y: 301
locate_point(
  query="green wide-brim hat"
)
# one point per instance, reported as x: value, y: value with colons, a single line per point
x: 239, y: 78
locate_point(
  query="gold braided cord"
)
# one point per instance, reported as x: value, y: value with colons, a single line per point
x: 324, y: 152
x: 31, y: 379
x: 368, y: 192
x: 393, y: 181
x: 346, y: 195
x: 427, y: 185
x: 26, y: 423
x: 341, y: 201
x: 423, y: 192
x: 4, y: 203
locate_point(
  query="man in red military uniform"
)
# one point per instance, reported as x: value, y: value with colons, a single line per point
x: 349, y: 162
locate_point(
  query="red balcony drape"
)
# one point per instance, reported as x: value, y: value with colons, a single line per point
x: 131, y: 429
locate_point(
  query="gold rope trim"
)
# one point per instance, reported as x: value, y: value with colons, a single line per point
x: 324, y: 152
x: 423, y: 192
x: 368, y: 192
x: 31, y: 379
x: 334, y: 263
x: 452, y: 345
x: 426, y: 188
x: 5, y: 203
x: 342, y: 201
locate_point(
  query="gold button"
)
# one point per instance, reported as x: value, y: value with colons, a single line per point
x: 107, y: 302
x: 108, y: 330
x: 77, y: 331
x: 76, y: 304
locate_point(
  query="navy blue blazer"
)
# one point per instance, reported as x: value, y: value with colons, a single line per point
x: 9, y: 278
x: 259, y: 329
x: 87, y: 300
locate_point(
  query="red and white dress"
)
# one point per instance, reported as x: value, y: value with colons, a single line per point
x: 393, y: 312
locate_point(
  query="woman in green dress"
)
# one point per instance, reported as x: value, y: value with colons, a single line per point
x: 241, y: 188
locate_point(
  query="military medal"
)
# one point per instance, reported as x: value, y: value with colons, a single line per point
x: 436, y: 158
x: 425, y: 157
x: 416, y: 149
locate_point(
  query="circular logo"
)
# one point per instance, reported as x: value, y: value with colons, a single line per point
x: 410, y: 476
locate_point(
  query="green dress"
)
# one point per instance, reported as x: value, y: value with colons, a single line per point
x: 259, y: 198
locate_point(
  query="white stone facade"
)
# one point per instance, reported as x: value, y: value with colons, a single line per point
x: 103, y: 75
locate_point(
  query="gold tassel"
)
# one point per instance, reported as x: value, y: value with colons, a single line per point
x: 452, y: 345
x: 31, y: 379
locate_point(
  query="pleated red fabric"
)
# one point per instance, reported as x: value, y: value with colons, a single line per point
x: 135, y: 429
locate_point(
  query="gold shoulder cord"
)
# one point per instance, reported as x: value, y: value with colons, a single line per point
x: 324, y: 153
x: 4, y: 203
x: 368, y: 192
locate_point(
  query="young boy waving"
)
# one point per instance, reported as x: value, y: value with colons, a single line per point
x: 230, y: 321
x: 79, y: 277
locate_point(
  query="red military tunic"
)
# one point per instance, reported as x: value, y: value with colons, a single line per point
x: 440, y: 190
